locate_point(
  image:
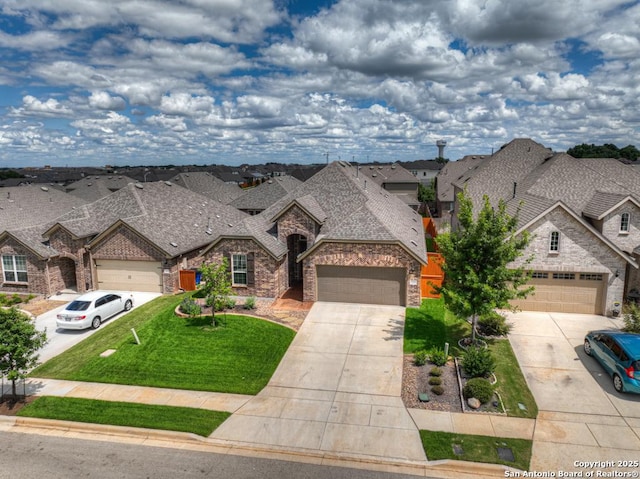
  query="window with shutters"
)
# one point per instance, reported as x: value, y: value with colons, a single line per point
x: 239, y: 269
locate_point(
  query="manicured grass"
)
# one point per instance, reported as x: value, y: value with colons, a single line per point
x: 439, y: 445
x: 182, y: 353
x: 432, y: 325
x: 168, y: 418
x: 511, y: 383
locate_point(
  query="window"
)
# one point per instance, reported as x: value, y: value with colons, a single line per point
x: 591, y: 277
x: 624, y: 222
x: 564, y: 276
x: 539, y: 275
x: 15, y: 268
x: 554, y: 242
x: 239, y: 269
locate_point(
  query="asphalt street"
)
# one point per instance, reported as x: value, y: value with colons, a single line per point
x: 31, y: 455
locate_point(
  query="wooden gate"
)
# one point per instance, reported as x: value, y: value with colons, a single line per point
x: 188, y: 279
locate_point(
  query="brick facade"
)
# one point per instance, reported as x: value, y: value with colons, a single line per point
x: 69, y: 249
x: 610, y: 227
x: 270, y: 278
x: 363, y: 254
x: 37, y: 273
x: 580, y: 251
x: 296, y: 221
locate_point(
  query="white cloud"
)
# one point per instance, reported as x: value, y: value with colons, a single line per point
x: 50, y: 108
x: 101, y: 100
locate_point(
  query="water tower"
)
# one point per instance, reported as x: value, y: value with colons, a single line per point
x: 441, y: 144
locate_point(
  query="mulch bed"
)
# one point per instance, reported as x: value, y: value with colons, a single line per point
x: 415, y: 380
x: 9, y: 406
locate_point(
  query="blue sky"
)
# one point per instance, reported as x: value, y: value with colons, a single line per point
x: 95, y: 82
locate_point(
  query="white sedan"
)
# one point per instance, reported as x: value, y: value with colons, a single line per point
x: 91, y: 309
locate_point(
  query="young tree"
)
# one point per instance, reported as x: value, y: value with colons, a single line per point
x: 217, y: 285
x: 19, y: 341
x: 477, y: 279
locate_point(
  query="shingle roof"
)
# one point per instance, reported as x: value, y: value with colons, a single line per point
x: 25, y: 206
x: 601, y: 203
x: 266, y: 194
x: 92, y: 188
x: 357, y: 209
x: 208, y: 185
x: 164, y: 213
x: 393, y: 173
x: 452, y: 172
x: 421, y: 165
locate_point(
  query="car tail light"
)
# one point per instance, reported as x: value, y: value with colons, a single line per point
x: 630, y: 372
x: 80, y: 318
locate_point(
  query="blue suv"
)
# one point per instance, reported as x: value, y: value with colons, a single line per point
x: 619, y: 354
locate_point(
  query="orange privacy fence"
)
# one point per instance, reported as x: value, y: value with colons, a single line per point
x: 431, y: 274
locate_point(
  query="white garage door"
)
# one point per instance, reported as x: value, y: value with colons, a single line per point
x: 565, y: 292
x: 355, y: 284
x: 129, y: 275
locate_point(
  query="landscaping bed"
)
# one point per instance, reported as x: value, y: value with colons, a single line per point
x: 415, y: 380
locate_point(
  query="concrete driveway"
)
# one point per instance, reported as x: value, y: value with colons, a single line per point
x: 59, y: 340
x: 581, y: 418
x: 336, y: 391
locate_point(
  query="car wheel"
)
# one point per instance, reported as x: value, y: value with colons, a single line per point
x: 617, y: 383
x: 587, y: 347
x: 95, y: 324
x: 127, y: 305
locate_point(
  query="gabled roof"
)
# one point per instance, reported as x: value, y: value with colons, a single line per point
x: 172, y: 218
x: 30, y: 205
x: 264, y: 195
x: 206, y: 184
x: 601, y: 204
x: 393, y: 173
x: 309, y: 205
x: 421, y: 165
x: 92, y: 188
x: 452, y: 172
x: 30, y: 238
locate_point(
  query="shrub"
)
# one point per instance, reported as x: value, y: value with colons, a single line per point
x: 478, y: 362
x: 631, y: 318
x: 493, y: 324
x: 435, y: 381
x: 438, y: 390
x: 435, y: 371
x: 437, y: 357
x: 420, y: 358
x: 478, y: 388
x: 190, y: 307
x: 250, y: 303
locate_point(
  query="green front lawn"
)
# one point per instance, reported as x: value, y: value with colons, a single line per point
x: 439, y: 445
x: 168, y: 418
x: 181, y: 353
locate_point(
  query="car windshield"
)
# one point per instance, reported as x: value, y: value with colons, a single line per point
x: 78, y: 306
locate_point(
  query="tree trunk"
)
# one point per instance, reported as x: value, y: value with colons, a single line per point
x: 13, y: 388
x: 474, y: 322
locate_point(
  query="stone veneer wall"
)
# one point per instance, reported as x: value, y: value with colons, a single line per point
x: 270, y: 279
x: 37, y: 276
x: 580, y: 251
x: 362, y: 254
x: 296, y: 221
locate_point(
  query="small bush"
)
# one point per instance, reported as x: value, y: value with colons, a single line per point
x: 435, y: 381
x: 437, y: 357
x: 478, y: 362
x: 435, y: 371
x: 190, y: 307
x: 493, y: 324
x: 420, y: 358
x: 478, y: 388
x: 438, y: 390
x: 250, y: 303
x: 631, y: 318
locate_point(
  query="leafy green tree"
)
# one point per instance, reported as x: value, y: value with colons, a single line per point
x: 426, y: 193
x: 19, y: 341
x: 441, y: 160
x: 476, y: 255
x: 217, y: 285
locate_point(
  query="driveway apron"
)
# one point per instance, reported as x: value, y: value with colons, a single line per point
x: 337, y: 390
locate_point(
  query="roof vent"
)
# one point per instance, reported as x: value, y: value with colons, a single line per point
x: 168, y: 183
x: 270, y: 181
x: 414, y: 243
x: 175, y: 245
x: 44, y: 188
x: 209, y: 232
x: 393, y: 167
x: 139, y: 186
x: 111, y: 177
x: 414, y: 229
x: 374, y: 175
x: 89, y: 184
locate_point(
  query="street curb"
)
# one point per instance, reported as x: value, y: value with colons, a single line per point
x: 446, y: 469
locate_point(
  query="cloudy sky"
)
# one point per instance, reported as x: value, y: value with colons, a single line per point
x: 140, y: 82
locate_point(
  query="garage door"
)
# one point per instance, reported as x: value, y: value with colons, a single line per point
x: 129, y: 275
x: 565, y: 292
x: 349, y: 284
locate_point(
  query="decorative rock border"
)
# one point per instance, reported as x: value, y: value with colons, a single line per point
x: 465, y: 408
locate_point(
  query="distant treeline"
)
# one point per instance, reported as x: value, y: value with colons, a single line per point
x: 4, y: 174
x: 607, y: 150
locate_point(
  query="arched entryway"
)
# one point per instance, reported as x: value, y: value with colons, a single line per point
x: 296, y: 244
